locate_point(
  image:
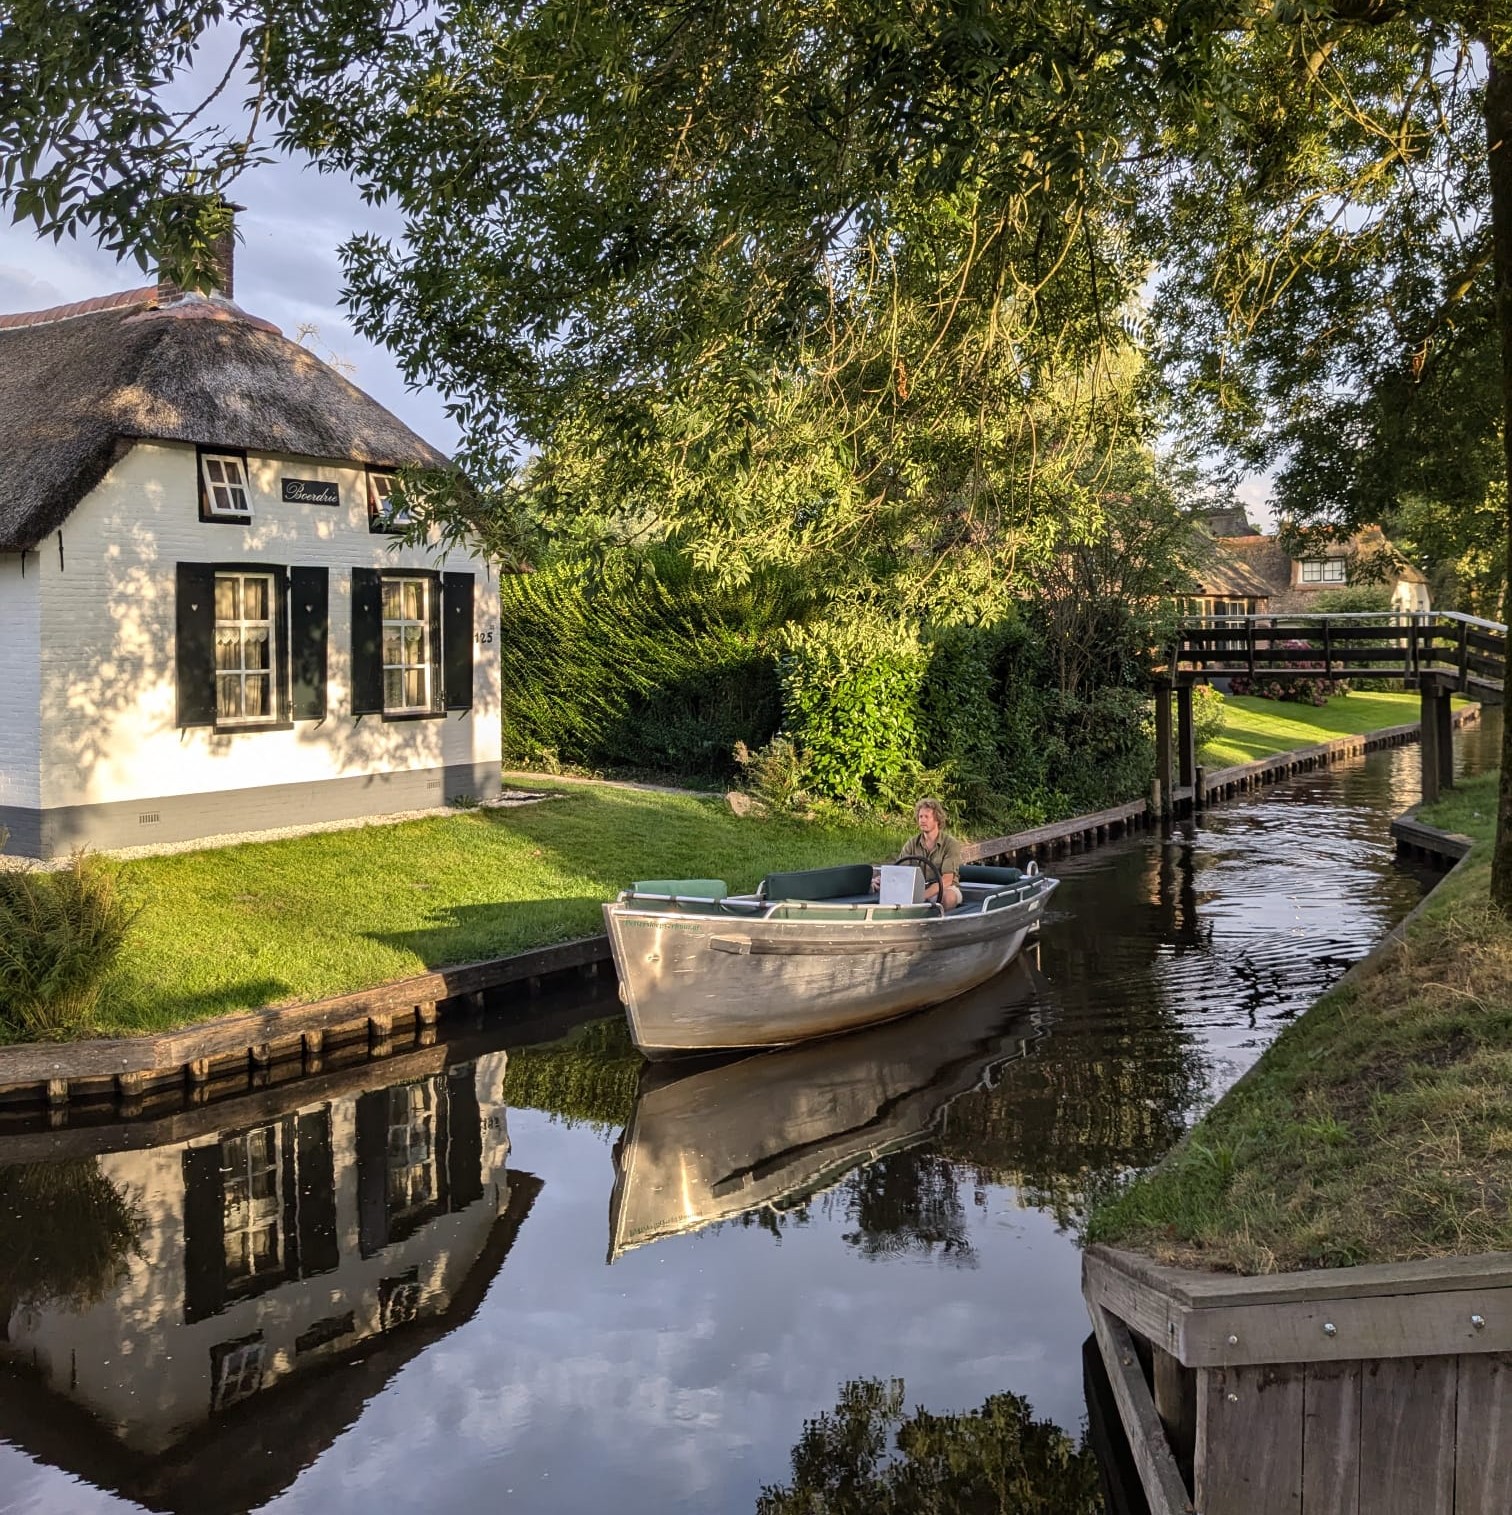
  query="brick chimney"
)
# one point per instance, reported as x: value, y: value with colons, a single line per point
x: 223, y: 264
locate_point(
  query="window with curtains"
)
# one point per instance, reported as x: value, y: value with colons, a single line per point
x: 246, y: 650
x: 409, y: 650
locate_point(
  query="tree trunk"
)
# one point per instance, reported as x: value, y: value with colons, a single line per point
x: 1499, y: 141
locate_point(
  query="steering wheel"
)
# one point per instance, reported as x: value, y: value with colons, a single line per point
x: 927, y: 867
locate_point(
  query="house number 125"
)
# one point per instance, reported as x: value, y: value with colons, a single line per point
x: 485, y: 638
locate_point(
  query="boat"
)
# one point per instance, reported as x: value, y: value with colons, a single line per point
x: 769, y: 1129
x: 811, y: 953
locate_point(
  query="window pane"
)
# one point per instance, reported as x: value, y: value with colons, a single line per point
x: 215, y: 471
x: 228, y: 652
x: 393, y: 646
x: 414, y: 644
x: 393, y: 689
x: 233, y: 467
x: 256, y: 600
x: 228, y: 695
x: 414, y: 599
x: 255, y: 648
x: 255, y: 696
x: 226, y: 595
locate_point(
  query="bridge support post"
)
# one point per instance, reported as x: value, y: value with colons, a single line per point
x: 1429, y: 739
x: 1186, y: 744
x: 1443, y: 714
x: 1163, y: 753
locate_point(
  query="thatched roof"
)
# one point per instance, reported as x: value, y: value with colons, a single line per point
x: 81, y: 382
x: 1227, y: 573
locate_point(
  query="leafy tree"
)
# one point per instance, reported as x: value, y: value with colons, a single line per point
x: 994, y: 1460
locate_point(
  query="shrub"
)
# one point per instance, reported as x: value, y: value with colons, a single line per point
x: 1209, y: 717
x: 60, y: 934
x: 851, y: 702
x: 1301, y: 687
x: 774, y: 774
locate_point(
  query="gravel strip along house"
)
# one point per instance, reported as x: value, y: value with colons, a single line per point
x: 208, y: 620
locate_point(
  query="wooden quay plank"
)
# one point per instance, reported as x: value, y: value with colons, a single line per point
x: 998, y: 846
x: 1407, y: 1436
x: 1483, y: 1439
x: 1331, y: 1439
x: 1249, y: 1441
x: 1159, y: 1476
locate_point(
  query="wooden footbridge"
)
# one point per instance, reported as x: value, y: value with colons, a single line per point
x: 1438, y: 653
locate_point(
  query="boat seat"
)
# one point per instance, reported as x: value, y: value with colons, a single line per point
x: 818, y: 883
x: 683, y: 888
x: 978, y: 873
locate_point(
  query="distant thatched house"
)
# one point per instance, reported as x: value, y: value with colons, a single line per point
x: 207, y: 623
x: 1248, y: 573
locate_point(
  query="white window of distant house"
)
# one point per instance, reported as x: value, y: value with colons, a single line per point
x: 236, y: 1371
x: 383, y: 513
x: 412, y: 1175
x: 252, y: 1205
x: 1323, y: 570
x: 244, y: 650
x: 409, y: 674
x: 225, y: 479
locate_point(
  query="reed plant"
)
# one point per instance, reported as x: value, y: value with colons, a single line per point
x: 61, y: 932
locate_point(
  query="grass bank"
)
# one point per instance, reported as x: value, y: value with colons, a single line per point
x: 267, y: 923
x: 1376, y: 1128
x: 1261, y: 728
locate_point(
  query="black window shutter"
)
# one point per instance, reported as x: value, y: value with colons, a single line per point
x: 309, y: 617
x: 457, y: 639
x: 367, y: 641
x: 464, y: 1125
x: 204, y: 1233
x: 194, y: 615
x: 281, y: 640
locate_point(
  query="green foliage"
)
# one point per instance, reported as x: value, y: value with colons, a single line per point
x: 60, y: 934
x: 639, y: 664
x: 1351, y: 599
x: 851, y: 689
x: 774, y: 774
x: 868, y: 1457
x: 66, y: 1233
x: 1209, y: 715
x: 588, y: 1077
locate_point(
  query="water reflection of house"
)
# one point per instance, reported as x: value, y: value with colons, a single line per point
x: 343, y: 1235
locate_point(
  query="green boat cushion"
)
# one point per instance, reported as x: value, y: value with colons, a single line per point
x: 688, y: 888
x: 976, y: 873
x: 818, y: 883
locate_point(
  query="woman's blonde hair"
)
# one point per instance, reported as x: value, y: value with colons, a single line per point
x: 941, y: 819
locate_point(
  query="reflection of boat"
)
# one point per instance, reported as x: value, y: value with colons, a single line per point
x: 809, y: 954
x: 771, y: 1128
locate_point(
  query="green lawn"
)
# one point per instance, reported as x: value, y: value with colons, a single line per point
x: 236, y: 928
x: 1261, y: 728
x: 1375, y: 1128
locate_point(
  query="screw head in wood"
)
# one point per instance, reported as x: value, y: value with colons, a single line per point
x: 1233, y: 1341
x: 1478, y: 1321
x: 1330, y: 1329
x: 1233, y: 1399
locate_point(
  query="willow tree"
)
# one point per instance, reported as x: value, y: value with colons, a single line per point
x: 639, y: 233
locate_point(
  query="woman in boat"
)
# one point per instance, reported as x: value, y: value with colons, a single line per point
x: 936, y: 845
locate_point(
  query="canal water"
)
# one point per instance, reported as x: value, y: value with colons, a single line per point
x: 482, y: 1275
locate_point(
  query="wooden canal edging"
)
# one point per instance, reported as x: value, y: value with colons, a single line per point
x: 1378, y: 1390
x: 293, y: 1038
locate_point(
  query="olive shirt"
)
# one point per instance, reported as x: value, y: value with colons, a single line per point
x: 945, y: 854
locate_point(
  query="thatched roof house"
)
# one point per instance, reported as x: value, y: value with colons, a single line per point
x: 216, y: 620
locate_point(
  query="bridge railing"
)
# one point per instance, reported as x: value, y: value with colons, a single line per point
x: 1463, y: 652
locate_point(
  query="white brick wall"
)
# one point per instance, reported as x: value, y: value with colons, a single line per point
x: 107, y: 639
x: 20, y: 682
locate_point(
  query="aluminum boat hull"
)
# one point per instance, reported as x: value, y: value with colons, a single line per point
x: 722, y: 983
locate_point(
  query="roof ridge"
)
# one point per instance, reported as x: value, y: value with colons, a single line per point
x: 119, y: 301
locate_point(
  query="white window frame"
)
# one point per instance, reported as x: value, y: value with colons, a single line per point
x: 429, y: 660
x: 414, y: 1178
x: 242, y: 625
x: 258, y: 1215
x: 227, y: 497
x: 1324, y: 571
x: 382, y: 515
x: 236, y: 1372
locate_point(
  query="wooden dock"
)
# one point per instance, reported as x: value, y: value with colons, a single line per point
x: 1341, y: 1391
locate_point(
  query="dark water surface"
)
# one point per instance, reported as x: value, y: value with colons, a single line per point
x: 410, y: 1287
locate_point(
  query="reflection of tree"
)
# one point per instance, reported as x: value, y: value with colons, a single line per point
x: 995, y: 1460
x: 588, y: 1076
x: 65, y: 1234
x: 906, y: 1202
